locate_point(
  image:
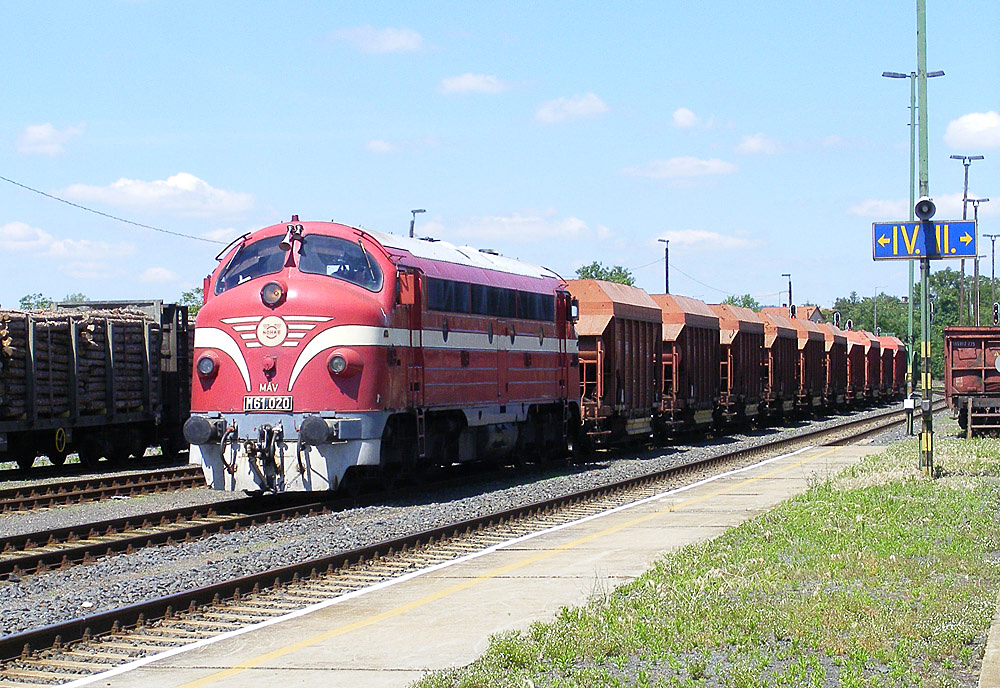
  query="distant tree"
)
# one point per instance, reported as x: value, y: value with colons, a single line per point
x: 744, y: 301
x: 75, y: 298
x: 35, y: 301
x: 192, y: 299
x: 597, y: 271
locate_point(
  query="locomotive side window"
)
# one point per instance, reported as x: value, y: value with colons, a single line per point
x: 260, y: 258
x: 335, y: 257
x: 479, y: 299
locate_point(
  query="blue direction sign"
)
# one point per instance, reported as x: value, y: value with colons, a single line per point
x: 909, y: 240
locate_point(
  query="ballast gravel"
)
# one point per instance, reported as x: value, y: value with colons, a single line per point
x: 123, y: 579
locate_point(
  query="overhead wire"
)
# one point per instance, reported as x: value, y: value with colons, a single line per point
x: 109, y: 216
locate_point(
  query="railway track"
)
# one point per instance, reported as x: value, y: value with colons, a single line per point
x: 41, y: 495
x: 98, y: 642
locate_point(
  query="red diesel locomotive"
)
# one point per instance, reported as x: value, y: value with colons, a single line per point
x: 323, y: 350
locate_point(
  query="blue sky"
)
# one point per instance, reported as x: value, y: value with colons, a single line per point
x: 760, y: 138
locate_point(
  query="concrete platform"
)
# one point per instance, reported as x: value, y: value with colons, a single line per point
x: 394, y: 633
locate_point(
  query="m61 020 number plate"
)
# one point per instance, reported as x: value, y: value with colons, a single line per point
x: 266, y: 404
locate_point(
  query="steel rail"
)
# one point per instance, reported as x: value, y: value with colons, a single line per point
x: 38, y: 495
x: 87, y: 627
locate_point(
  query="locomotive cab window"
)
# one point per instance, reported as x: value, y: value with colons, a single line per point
x: 254, y: 260
x: 340, y: 258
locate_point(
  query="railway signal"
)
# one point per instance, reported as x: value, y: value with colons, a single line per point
x: 996, y: 314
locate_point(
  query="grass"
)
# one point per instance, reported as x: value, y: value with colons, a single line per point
x: 879, y: 577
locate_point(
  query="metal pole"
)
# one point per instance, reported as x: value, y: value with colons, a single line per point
x: 927, y: 428
x: 993, y: 266
x: 909, y: 285
x: 666, y: 266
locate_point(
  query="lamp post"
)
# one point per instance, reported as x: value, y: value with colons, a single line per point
x: 993, y: 266
x: 414, y: 219
x: 789, y: 276
x: 966, y: 161
x: 912, y: 76
x: 666, y: 265
x: 975, y: 216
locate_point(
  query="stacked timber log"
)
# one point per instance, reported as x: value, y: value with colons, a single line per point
x: 116, y: 374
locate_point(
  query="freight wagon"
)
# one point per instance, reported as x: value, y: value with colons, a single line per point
x: 741, y: 334
x: 102, y: 379
x: 690, y: 363
x: 972, y: 377
x: 780, y: 363
x: 834, y: 366
x: 618, y: 336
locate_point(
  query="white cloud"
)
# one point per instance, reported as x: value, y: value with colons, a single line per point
x: 575, y: 107
x: 879, y: 209
x: 949, y: 207
x: 45, y: 139
x: 158, y: 275
x: 182, y: 194
x: 380, y: 41
x: 87, y: 269
x: 473, y: 83
x: 975, y: 130
x: 682, y: 167
x: 758, y: 143
x: 694, y: 237
x: 226, y: 234
x: 379, y: 146
x: 685, y: 119
x: 18, y: 237
x: 518, y: 227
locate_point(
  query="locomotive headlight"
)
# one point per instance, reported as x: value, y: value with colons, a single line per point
x: 273, y: 293
x: 208, y: 364
x: 344, y: 363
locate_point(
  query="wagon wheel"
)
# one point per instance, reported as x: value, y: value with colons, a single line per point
x: 25, y: 462
x: 89, y: 452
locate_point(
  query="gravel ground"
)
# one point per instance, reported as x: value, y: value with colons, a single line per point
x: 123, y: 579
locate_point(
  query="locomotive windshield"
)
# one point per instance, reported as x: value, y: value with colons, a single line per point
x: 262, y: 257
x: 326, y: 255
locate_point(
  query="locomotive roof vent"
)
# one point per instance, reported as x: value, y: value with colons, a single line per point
x: 491, y: 251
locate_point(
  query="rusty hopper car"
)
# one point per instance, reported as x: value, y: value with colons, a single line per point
x: 867, y: 386
x: 618, y: 334
x: 741, y: 334
x: 834, y: 366
x: 893, y: 383
x: 780, y: 361
x: 99, y: 379
x: 690, y: 364
x: 810, y: 373
x: 857, y: 361
x: 972, y: 377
